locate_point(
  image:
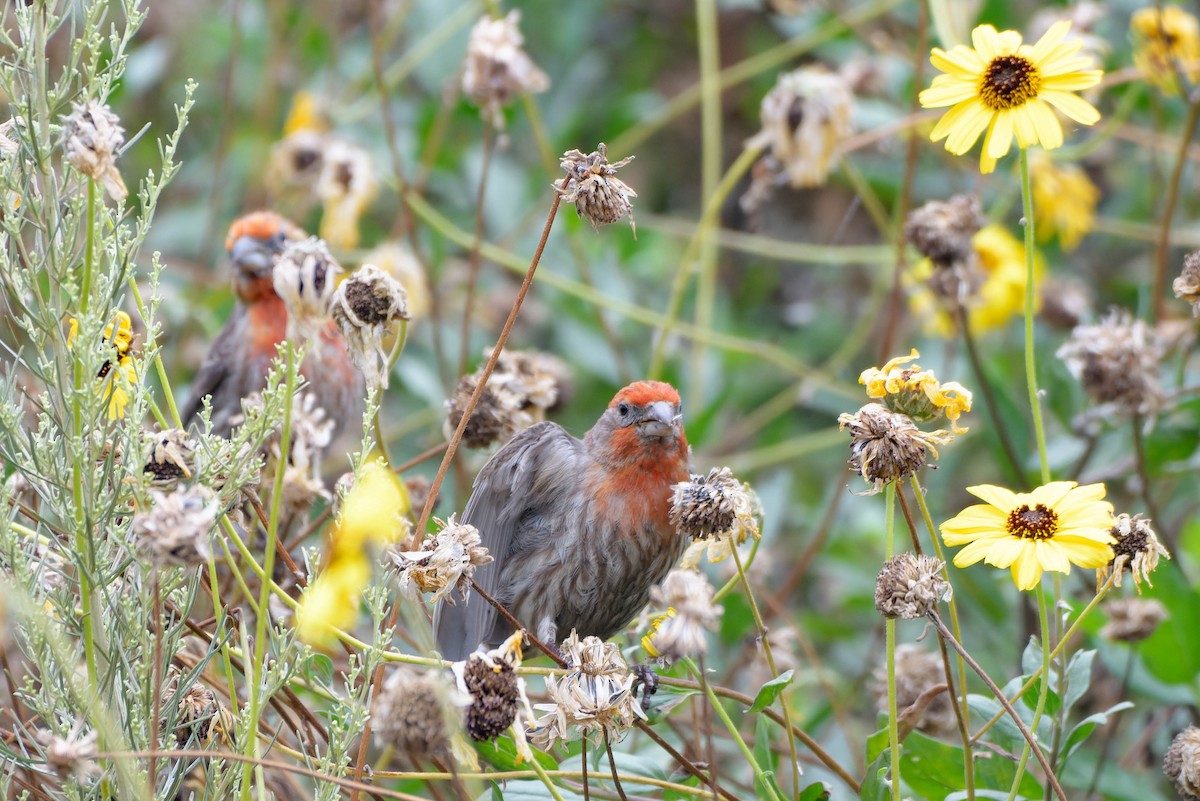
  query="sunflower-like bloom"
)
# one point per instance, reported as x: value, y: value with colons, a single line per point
x: 1007, y: 88
x: 1064, y: 201
x: 1166, y: 44
x: 915, y: 392
x: 116, y: 378
x: 1051, y: 528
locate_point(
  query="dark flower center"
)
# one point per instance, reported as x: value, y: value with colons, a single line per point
x: 1009, y: 82
x: 1037, y: 523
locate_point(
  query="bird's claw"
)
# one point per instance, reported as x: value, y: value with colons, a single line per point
x: 645, y: 676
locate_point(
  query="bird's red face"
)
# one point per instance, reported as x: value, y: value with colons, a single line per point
x: 646, y: 423
x: 254, y: 244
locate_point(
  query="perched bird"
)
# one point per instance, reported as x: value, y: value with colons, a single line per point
x: 579, y: 530
x: 240, y: 356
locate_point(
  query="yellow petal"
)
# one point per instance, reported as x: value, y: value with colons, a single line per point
x: 999, y: 497
x: 1073, y: 106
x: 960, y: 62
x: 947, y: 92
x: 1049, y: 131
x: 1000, y: 136
x: 1052, y: 557
x: 1084, y: 552
x: 1024, y: 127
x: 1026, y: 571
x: 1050, y: 494
x: 373, y: 510
x: 331, y: 602
x: 1005, y: 551
x: 962, y: 124
x: 1050, y: 40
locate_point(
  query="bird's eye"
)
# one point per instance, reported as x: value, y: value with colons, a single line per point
x: 623, y: 409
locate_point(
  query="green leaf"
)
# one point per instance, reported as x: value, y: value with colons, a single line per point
x: 934, y: 770
x: 1172, y: 653
x: 766, y: 757
x: 534, y: 791
x: 874, y: 786
x: 770, y: 691
x: 1079, y: 677
x: 502, y: 754
x: 322, y: 669
x: 815, y: 792
x: 1084, y: 728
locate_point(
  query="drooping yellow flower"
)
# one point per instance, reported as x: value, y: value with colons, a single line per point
x: 1064, y: 201
x: 1001, y: 290
x: 375, y: 510
x: 916, y: 392
x: 331, y: 602
x: 1055, y: 526
x: 115, y: 379
x: 306, y: 114
x: 1007, y: 88
x: 1166, y: 44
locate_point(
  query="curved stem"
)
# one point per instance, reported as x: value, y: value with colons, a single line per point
x: 889, y: 529
x: 1012, y: 461
x: 1163, y: 245
x: 1043, y: 693
x: 1030, y: 363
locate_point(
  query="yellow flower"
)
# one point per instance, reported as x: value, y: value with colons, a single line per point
x: 1007, y: 89
x: 1001, y: 294
x: 916, y: 392
x: 1166, y: 43
x: 114, y: 383
x: 331, y: 602
x: 375, y: 510
x: 1064, y: 201
x: 1051, y: 528
x: 305, y: 114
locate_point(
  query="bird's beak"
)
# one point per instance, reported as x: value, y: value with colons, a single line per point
x: 252, y: 257
x: 660, y: 420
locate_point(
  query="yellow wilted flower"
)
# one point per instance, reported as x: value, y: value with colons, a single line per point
x: 375, y: 510
x: 916, y: 392
x: 331, y: 602
x: 305, y: 115
x: 1064, y: 201
x: 1166, y: 44
x: 1007, y: 88
x: 114, y: 383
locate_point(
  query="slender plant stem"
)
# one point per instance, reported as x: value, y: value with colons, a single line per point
x: 612, y: 765
x: 1043, y: 693
x: 710, y: 171
x: 889, y: 533
x: 1012, y: 461
x: 1016, y: 718
x: 1030, y: 363
x: 1162, y: 247
x: 89, y: 253
x: 156, y: 684
x: 476, y: 258
x: 257, y: 666
x: 583, y: 769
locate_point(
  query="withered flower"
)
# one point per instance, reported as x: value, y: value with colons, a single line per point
x: 600, y: 197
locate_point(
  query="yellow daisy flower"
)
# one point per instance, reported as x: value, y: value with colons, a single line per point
x: 1064, y: 201
x: 1053, y: 527
x: 375, y: 510
x: 115, y: 380
x: 1007, y: 88
x: 331, y: 602
x: 1166, y: 44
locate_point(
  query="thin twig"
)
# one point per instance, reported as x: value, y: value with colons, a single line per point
x: 476, y: 258
x: 612, y: 764
x: 1162, y: 247
x: 1012, y: 461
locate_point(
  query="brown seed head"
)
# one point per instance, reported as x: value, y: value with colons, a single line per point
x: 1132, y: 619
x: 600, y: 197
x: 1117, y: 362
x: 1182, y: 763
x: 1187, y: 285
x: 942, y: 229
x: 886, y: 446
x: 910, y: 586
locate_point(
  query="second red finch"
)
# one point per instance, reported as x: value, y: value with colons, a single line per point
x: 240, y: 356
x: 579, y: 529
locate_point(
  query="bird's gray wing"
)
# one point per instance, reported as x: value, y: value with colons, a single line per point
x: 213, y: 377
x: 528, y: 474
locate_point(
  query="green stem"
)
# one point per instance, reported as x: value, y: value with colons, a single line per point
x: 1163, y: 245
x: 759, y: 774
x: 710, y: 170
x: 85, y: 284
x: 158, y: 365
x: 1043, y: 690
x: 257, y: 667
x: 889, y: 533
x: 1030, y: 363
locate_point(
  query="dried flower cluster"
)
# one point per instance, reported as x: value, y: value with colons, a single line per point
x: 497, y: 693
x: 600, y: 197
x: 203, y: 718
x: 717, y: 511
x: 347, y: 185
x: 1132, y: 619
x: 910, y: 586
x: 416, y: 712
x: 177, y: 527
x: 805, y: 117
x: 943, y: 230
x: 172, y: 457
x: 1135, y: 551
x: 364, y: 307
x: 1182, y: 763
x: 683, y: 630
x: 92, y: 140
x: 886, y: 446
x: 520, y: 390
x: 497, y: 68
x: 594, y: 697
x: 1187, y: 285
x: 446, y: 561
x: 305, y: 277
x: 73, y: 755
x: 1117, y: 362
x: 907, y: 389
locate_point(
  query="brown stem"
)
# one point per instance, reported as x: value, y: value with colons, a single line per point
x: 1163, y: 246
x: 394, y: 613
x: 908, y: 518
x: 420, y: 457
x: 686, y: 763
x: 280, y: 546
x: 968, y: 756
x: 1013, y: 462
x: 583, y: 761
x: 612, y: 764
x: 156, y: 699
x: 517, y: 625
x: 1020, y: 724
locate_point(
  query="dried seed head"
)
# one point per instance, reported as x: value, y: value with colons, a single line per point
x: 1187, y: 285
x: 594, y: 697
x: 917, y: 672
x: 72, y: 755
x: 93, y: 138
x: 497, y: 416
x: 346, y: 186
x: 498, y: 68
x: 1117, y: 362
x: 306, y: 277
x: 1136, y: 551
x: 600, y: 197
x: 1132, y: 619
x: 398, y: 260
x: 804, y: 119
x: 203, y: 719
x: 1065, y: 302
x: 886, y: 446
x: 177, y: 527
x: 295, y: 165
x: 446, y: 561
x: 495, y: 695
x: 414, y: 712
x: 910, y: 586
x: 712, y: 505
x: 172, y: 457
x: 691, y: 614
x: 363, y: 307
x: 942, y: 229
x: 1182, y: 763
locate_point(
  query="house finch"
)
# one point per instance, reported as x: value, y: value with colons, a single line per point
x: 579, y: 529
x: 240, y: 357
